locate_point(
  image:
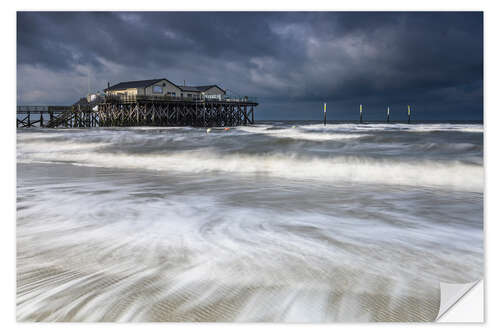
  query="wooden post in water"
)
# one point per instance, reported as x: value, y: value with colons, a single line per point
x: 360, y: 113
x: 409, y: 114
x: 324, y: 114
x: 41, y: 119
x: 29, y: 119
x: 388, y: 113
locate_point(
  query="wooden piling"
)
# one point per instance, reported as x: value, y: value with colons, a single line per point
x: 409, y: 114
x: 149, y: 112
x: 360, y: 113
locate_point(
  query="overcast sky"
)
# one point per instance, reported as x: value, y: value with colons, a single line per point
x: 292, y: 62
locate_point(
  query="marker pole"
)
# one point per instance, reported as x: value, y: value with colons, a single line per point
x: 360, y: 113
x: 324, y: 114
x: 388, y: 113
x: 409, y: 114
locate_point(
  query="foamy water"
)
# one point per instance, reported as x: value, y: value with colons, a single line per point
x: 274, y: 222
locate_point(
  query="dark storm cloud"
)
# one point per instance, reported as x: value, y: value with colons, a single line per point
x: 432, y: 59
x: 57, y: 40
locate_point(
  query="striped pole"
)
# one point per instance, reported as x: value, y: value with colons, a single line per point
x: 360, y: 113
x: 388, y: 113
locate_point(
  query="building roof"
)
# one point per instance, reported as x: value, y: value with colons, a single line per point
x: 199, y: 88
x: 204, y: 88
x: 133, y: 84
x: 190, y: 88
x: 147, y: 83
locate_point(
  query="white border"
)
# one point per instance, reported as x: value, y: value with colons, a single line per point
x: 492, y: 142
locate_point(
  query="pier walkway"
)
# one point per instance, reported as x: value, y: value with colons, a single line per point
x: 141, y: 111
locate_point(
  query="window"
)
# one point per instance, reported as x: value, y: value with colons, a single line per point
x: 157, y: 90
x: 190, y: 95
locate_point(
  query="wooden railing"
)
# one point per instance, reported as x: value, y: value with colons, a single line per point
x: 42, y: 108
x: 136, y: 98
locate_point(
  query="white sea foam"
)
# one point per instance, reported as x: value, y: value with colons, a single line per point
x: 452, y: 174
x: 342, y: 132
x: 103, y: 253
x: 474, y: 128
x: 197, y: 241
x: 299, y: 134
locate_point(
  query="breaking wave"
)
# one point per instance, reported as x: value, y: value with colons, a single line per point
x: 471, y: 128
x: 451, y: 174
x: 300, y: 134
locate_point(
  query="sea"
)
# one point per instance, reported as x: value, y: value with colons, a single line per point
x: 281, y: 221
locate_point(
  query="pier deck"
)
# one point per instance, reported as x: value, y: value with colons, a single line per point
x: 141, y: 111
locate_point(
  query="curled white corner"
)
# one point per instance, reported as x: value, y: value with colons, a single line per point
x: 451, y: 294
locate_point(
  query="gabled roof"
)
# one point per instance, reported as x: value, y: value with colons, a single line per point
x: 204, y: 88
x: 147, y: 83
x: 134, y: 84
x: 190, y: 88
x: 200, y: 88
